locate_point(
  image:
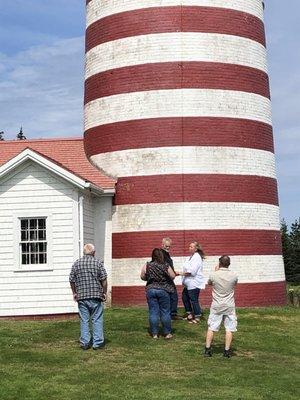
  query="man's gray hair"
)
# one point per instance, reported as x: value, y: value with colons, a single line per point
x: 166, y: 240
x: 88, y: 249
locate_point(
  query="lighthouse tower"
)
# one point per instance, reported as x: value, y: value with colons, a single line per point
x: 177, y: 109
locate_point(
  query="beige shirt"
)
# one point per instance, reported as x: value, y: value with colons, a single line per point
x: 223, y: 282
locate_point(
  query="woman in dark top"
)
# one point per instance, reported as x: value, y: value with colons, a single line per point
x: 159, y: 277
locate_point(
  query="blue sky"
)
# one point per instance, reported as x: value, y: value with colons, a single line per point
x: 42, y: 66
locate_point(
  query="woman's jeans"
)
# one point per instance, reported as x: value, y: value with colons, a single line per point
x: 159, y: 309
x: 173, y: 303
x: 190, y: 299
x: 91, y: 309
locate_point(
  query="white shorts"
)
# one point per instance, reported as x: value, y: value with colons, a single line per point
x: 215, y: 320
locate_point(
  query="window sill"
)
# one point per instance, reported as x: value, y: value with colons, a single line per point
x: 33, y: 268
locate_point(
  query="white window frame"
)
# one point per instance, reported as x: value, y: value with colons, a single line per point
x: 17, y: 240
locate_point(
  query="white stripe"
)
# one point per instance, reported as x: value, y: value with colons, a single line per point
x: 250, y: 269
x: 195, y: 216
x: 98, y: 9
x: 177, y: 103
x: 187, y: 160
x: 175, y: 47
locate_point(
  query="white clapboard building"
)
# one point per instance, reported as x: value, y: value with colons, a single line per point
x: 52, y: 201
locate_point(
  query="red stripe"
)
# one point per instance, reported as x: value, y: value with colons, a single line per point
x: 209, y: 188
x: 188, y: 131
x: 175, y: 19
x: 176, y: 75
x: 261, y: 294
x: 234, y: 242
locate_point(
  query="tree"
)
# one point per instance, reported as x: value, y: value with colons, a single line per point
x: 291, y: 250
x: 295, y: 251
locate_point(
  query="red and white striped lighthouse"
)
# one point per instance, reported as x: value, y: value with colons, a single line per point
x: 177, y: 107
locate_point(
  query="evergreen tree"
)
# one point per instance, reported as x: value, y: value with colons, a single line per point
x: 294, y: 270
x: 291, y: 250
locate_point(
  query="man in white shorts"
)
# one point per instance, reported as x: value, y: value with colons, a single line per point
x: 222, y: 308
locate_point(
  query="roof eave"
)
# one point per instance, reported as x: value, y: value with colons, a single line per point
x: 29, y: 154
x: 98, y: 191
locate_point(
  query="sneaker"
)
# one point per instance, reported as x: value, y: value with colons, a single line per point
x: 227, y: 353
x: 155, y: 336
x: 208, y: 352
x: 101, y: 346
x: 85, y: 346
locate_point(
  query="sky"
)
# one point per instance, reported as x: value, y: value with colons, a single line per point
x: 42, y: 70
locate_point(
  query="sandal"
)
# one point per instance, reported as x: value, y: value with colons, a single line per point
x: 189, y: 318
x: 168, y: 336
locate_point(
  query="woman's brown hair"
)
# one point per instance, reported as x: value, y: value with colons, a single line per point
x: 158, y: 256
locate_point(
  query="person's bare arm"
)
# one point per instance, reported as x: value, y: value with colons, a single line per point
x: 104, y: 286
x: 171, y: 273
x: 73, y: 287
x: 143, y: 273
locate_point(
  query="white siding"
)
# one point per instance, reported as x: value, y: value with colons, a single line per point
x: 33, y: 190
x: 88, y: 219
x: 103, y: 235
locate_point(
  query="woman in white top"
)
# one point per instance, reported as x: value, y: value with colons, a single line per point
x: 193, y: 280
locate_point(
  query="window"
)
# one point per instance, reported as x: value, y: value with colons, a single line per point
x: 33, y: 244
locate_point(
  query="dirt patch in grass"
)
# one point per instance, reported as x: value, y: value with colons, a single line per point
x: 247, y: 354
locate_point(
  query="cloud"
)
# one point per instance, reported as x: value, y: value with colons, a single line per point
x: 41, y: 89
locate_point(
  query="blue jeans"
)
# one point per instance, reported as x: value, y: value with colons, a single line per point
x: 159, y: 309
x: 190, y: 299
x: 174, y: 303
x: 91, y: 309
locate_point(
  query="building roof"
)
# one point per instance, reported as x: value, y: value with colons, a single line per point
x: 68, y: 153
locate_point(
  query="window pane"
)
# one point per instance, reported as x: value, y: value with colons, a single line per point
x: 33, y: 235
x: 42, y: 235
x: 24, y: 247
x: 25, y: 258
x: 33, y: 223
x: 34, y: 247
x: 24, y: 224
x: 42, y: 258
x: 42, y: 223
x: 42, y: 247
x: 24, y: 235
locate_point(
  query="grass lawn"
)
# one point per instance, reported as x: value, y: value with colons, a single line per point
x: 42, y: 360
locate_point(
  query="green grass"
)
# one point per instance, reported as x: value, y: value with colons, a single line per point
x: 42, y: 360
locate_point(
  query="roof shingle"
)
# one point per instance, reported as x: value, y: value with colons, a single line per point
x: 67, y: 152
